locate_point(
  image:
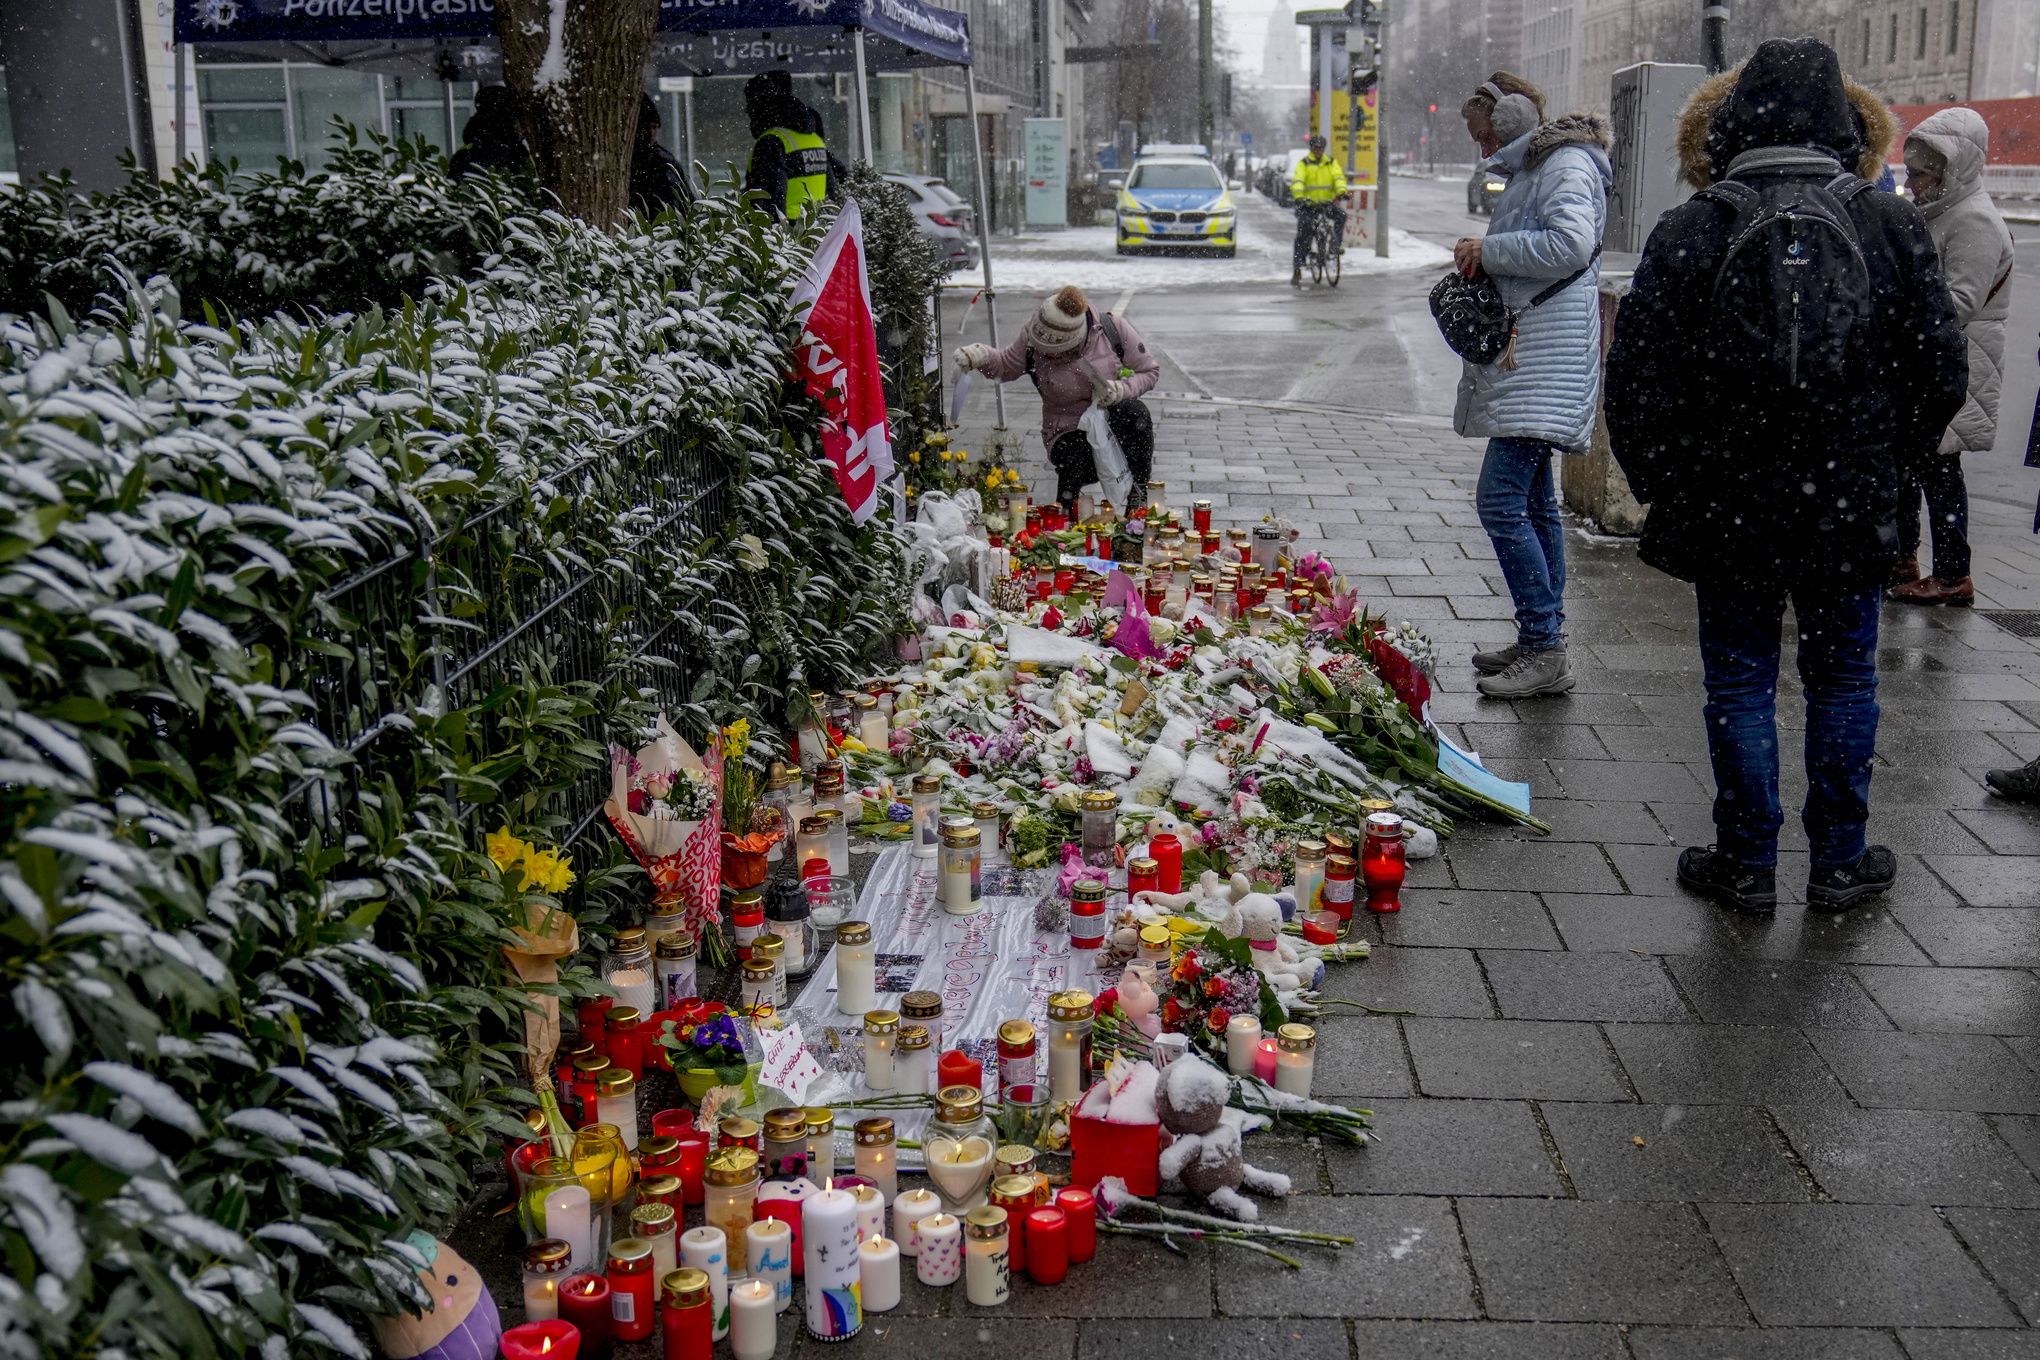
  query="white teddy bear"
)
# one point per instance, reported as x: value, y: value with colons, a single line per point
x: 1258, y: 917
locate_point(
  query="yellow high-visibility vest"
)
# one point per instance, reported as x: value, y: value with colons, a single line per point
x: 807, y: 173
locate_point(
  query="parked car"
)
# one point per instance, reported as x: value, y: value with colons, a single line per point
x: 1176, y: 205
x: 1482, y: 189
x: 949, y: 223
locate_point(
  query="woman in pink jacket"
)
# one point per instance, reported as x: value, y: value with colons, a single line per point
x: 1076, y: 359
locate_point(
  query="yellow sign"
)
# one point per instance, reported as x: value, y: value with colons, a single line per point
x: 1363, y: 176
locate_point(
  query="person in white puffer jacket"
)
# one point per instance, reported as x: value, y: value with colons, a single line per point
x: 1944, y: 159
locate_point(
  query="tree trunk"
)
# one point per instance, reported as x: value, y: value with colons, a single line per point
x: 577, y: 67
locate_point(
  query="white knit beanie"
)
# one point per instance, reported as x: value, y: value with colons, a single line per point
x: 1062, y: 323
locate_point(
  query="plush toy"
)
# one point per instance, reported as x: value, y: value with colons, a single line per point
x: 1139, y: 1000
x: 1211, y: 894
x: 462, y: 1322
x: 1257, y: 918
x: 1205, y: 1155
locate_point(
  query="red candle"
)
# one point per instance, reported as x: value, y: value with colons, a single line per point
x: 1048, y: 1246
x: 1155, y: 596
x: 956, y: 1068
x: 693, y: 1163
x: 631, y: 1289
x: 687, y: 1321
x: 1080, y: 1219
x: 593, y: 1015
x: 1065, y: 581
x: 1167, y: 853
x: 1143, y: 875
x: 1264, y: 1061
x: 625, y: 1033
x: 584, y: 1301
x: 1382, y: 863
x: 553, y: 1339
x: 673, y: 1122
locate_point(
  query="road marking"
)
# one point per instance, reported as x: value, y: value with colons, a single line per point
x: 1122, y: 302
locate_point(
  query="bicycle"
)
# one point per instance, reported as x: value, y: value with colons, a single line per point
x: 1323, y: 253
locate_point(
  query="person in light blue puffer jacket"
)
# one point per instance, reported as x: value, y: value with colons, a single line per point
x: 1542, y: 394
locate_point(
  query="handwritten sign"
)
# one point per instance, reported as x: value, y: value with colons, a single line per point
x: 788, y: 1066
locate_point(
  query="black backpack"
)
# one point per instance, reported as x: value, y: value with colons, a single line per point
x: 1792, y: 300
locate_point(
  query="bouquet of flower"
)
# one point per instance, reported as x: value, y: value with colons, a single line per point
x: 1211, y: 982
x: 749, y: 828
x: 666, y: 804
x: 545, y: 934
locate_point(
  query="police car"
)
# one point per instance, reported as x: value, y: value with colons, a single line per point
x: 1176, y: 203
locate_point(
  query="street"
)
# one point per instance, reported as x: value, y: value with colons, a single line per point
x: 1619, y: 1120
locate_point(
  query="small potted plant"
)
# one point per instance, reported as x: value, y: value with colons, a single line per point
x: 707, y: 1049
x: 744, y: 841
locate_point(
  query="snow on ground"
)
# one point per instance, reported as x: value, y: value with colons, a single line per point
x: 1085, y: 256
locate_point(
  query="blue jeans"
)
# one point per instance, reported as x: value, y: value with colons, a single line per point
x: 1518, y: 505
x: 1838, y: 670
x: 1306, y: 225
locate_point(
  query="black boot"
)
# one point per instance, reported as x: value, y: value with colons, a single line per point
x: 1837, y: 889
x: 1713, y: 874
x: 2021, y: 785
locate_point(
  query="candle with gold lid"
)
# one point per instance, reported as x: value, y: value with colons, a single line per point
x: 881, y: 1030
x: 732, y: 1186
x: 1295, y: 1057
x: 856, y: 968
x: 546, y: 1263
x: 877, y: 1159
x: 1069, y: 1044
x: 821, y: 1136
x: 987, y: 1262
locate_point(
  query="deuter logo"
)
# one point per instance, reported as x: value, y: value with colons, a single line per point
x: 1795, y: 254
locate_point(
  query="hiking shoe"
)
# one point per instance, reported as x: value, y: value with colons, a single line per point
x: 1530, y: 674
x: 1905, y: 569
x: 1729, y: 882
x: 1296, y: 278
x: 1934, y: 590
x: 1500, y: 659
x: 2021, y: 785
x: 1835, y: 889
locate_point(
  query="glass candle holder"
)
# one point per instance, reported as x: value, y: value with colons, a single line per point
x: 1101, y: 827
x: 1261, y: 621
x: 546, y: 1263
x: 733, y: 1178
x: 1087, y: 914
x: 786, y: 1142
x: 811, y: 848
x: 616, y: 1103
x: 787, y: 916
x: 957, y: 1148
x: 1335, y: 894
x: 1017, y: 1051
x: 686, y: 1314
x: 659, y: 1225
x: 914, y: 1062
x: 927, y: 811
x: 772, y: 949
x: 631, y: 1289
x: 565, y: 1210
x: 1027, y: 1110
x: 759, y: 984
x: 837, y: 825
x: 986, y: 815
x: 821, y: 1135
x: 778, y: 796
x: 872, y: 728
x: 1069, y: 1044
x: 832, y: 899
x: 1154, y: 945
x: 737, y: 1131
x: 1310, y: 875
x: 747, y: 921
x: 588, y: 1070
x: 877, y: 1158
x: 707, y: 1250
x: 881, y: 1030
x: 674, y: 970
x: 627, y: 967
x: 924, y: 1008
x: 1295, y: 1056
x: 1383, y: 862
x: 987, y: 1262
x: 856, y: 969
x: 962, y: 878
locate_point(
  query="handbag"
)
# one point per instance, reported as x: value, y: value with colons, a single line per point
x: 1477, y: 324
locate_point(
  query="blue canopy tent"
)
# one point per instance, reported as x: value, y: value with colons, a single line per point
x: 456, y: 40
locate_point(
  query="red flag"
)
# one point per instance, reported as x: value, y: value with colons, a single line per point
x: 838, y: 361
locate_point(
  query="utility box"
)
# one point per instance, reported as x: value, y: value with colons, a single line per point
x: 1646, y: 100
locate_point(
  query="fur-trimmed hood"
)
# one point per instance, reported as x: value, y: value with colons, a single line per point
x: 1705, y: 149
x: 1570, y: 129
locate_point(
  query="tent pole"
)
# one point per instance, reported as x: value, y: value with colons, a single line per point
x: 863, y: 102
x: 180, y: 53
x: 977, y: 166
x: 452, y: 132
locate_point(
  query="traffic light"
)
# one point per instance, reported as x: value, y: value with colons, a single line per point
x: 1434, y: 108
x: 1361, y: 75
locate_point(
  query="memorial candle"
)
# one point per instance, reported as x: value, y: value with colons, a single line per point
x: 659, y: 1224
x: 1167, y: 852
x: 1242, y: 1036
x: 878, y: 1270
x: 987, y: 1259
x: 769, y: 1246
x: 569, y: 1217
x: 870, y: 1213
x: 908, y: 1210
x: 956, y: 1068
x: 821, y: 1143
x: 687, y: 1319
x: 1294, y: 1059
x: 1069, y: 1044
x: 1080, y: 1222
x: 876, y: 1158
x: 914, y: 1062
x: 584, y: 1301
x: 940, y: 1260
x: 1264, y: 1061
x: 732, y: 1189
x: 881, y: 1030
x: 783, y: 1198
x: 855, y: 968
x: 1048, y: 1246
x: 631, y: 1291
x: 754, y: 1321
x: 927, y: 809
x: 546, y: 1339
x: 707, y: 1250
x: 834, y: 1283
x: 616, y: 1103
x: 546, y: 1263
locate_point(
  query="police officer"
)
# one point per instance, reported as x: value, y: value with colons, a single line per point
x: 790, y: 163
x: 1317, y: 184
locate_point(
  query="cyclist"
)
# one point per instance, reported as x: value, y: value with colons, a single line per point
x: 1317, y: 184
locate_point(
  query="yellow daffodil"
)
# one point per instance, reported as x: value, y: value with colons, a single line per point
x: 914, y: 457
x: 505, y: 849
x: 737, y: 739
x: 852, y: 744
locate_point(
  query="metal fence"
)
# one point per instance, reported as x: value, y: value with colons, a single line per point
x: 546, y: 586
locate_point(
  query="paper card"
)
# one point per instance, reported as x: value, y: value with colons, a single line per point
x: 1465, y: 769
x: 788, y: 1065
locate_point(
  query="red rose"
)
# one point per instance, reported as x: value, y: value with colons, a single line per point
x: 1219, y: 1018
x: 1173, y: 1016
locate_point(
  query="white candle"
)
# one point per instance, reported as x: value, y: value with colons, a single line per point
x: 754, y: 1321
x: 769, y: 1249
x: 881, y: 1028
x: 960, y: 1170
x: 1295, y: 1057
x: 856, y: 963
x: 987, y: 1267
x: 542, y: 1295
x: 633, y: 988
x: 914, y: 1063
x: 872, y: 730
x: 821, y: 1146
x: 1242, y: 1036
x: 707, y: 1250
x: 940, y: 1260
x: 828, y: 1232
x: 877, y: 1163
x: 1065, y: 1071
x: 870, y: 1213
x: 568, y: 1217
x: 878, y: 1260
x: 908, y: 1210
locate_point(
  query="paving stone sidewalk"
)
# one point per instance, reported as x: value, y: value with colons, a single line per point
x: 1615, y: 1120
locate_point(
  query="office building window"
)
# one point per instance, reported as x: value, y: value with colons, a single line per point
x: 1866, y: 42
x: 1891, y: 47
x: 257, y: 115
x: 1920, y: 47
x: 1954, y: 26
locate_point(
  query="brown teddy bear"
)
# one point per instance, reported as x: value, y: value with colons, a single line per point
x: 1204, y: 1155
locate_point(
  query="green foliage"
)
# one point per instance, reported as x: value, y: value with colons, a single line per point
x: 257, y: 1030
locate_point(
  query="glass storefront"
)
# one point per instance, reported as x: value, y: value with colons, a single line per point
x: 255, y: 115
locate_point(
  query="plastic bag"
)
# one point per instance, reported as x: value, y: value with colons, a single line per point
x: 1113, y: 475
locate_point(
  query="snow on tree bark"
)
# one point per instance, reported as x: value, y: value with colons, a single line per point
x: 577, y: 67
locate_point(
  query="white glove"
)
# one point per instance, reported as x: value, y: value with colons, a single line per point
x: 1112, y: 393
x: 973, y: 356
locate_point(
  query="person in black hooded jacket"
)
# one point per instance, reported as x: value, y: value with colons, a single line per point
x: 1762, y: 491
